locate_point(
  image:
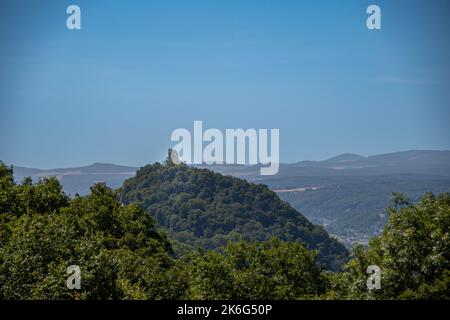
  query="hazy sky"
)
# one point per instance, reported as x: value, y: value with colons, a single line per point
x: 116, y: 89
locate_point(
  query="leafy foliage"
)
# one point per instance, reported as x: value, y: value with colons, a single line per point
x: 122, y: 256
x: 413, y: 254
x: 117, y: 248
x: 256, y: 270
x: 205, y: 209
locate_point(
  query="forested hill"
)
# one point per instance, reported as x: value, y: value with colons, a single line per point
x: 201, y: 208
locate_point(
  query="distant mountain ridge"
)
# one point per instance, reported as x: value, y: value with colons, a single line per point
x: 417, y: 162
x: 347, y: 194
x: 405, y: 162
x: 80, y: 179
x: 346, y: 157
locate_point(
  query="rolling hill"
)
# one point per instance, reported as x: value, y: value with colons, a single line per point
x: 201, y: 208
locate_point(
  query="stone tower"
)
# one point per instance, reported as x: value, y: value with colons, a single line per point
x: 172, y: 156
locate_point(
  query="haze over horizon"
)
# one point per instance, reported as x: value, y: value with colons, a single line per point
x: 344, y: 154
x: 116, y: 89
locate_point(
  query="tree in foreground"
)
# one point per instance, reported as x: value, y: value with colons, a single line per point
x: 272, y: 269
x: 43, y: 232
x: 413, y: 254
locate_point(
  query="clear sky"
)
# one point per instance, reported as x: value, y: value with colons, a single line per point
x: 116, y: 89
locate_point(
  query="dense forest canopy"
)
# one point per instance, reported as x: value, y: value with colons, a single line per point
x: 123, y: 255
x: 205, y: 209
x: 413, y: 253
x: 42, y: 232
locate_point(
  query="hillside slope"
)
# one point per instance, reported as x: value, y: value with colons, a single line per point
x: 348, y: 194
x: 202, y: 208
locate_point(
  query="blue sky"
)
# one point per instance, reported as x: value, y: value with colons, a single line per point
x: 116, y: 89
